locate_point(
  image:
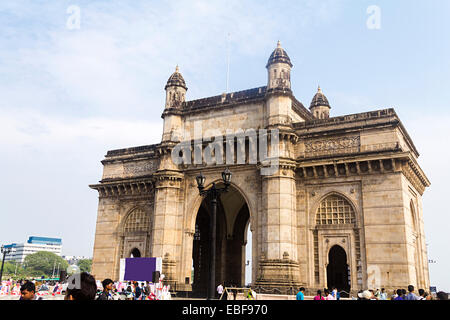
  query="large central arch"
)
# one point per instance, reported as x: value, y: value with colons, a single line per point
x: 233, y: 218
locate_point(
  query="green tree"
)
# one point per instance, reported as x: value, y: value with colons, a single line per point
x: 43, y: 263
x: 85, y: 265
x: 10, y: 269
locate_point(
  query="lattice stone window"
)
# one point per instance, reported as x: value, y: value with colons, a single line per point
x: 138, y: 220
x: 335, y: 210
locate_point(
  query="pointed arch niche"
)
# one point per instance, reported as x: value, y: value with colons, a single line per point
x: 335, y: 223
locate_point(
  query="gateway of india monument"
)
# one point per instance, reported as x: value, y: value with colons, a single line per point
x: 342, y: 206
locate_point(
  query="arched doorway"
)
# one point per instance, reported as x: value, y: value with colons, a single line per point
x: 135, y: 253
x: 337, y: 269
x: 232, y: 222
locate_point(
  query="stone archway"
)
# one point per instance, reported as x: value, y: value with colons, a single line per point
x: 337, y: 269
x: 231, y: 231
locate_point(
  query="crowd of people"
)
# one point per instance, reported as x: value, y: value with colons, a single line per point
x: 133, y: 290
x: 90, y: 289
x: 13, y: 287
x: 86, y: 288
x: 399, y: 294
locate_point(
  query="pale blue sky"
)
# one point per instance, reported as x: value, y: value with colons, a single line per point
x: 68, y: 96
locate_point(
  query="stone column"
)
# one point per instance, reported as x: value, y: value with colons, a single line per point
x: 278, y: 265
x: 166, y: 228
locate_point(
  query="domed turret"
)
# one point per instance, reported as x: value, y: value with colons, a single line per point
x: 175, y: 90
x: 176, y: 80
x: 279, y: 56
x: 279, y: 69
x: 320, y: 107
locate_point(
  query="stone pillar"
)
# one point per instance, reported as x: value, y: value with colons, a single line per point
x: 278, y: 265
x: 107, y: 244
x: 166, y: 228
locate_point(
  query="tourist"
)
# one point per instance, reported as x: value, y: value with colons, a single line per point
x: 86, y: 291
x: 319, y: 295
x: 400, y: 295
x: 43, y: 287
x: 377, y: 294
x: 301, y: 294
x: 422, y: 295
x: 147, y: 289
x: 373, y: 296
x: 28, y: 292
x: 129, y: 292
x: 235, y: 292
x: 137, y: 291
x: 336, y: 294
x: 107, y: 290
x: 441, y: 295
x: 411, y: 295
x: 394, y: 295
x: 404, y: 293
x: 251, y: 295
x: 383, y: 294
x: 365, y: 295
x: 219, y: 290
x: 327, y: 294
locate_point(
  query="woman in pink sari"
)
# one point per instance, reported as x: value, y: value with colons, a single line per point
x: 319, y: 296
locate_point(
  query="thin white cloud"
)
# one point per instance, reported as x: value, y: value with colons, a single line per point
x: 31, y: 127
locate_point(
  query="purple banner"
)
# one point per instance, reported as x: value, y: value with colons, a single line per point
x: 139, y: 269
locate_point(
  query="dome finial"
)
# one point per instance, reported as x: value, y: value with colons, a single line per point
x: 319, y: 90
x: 279, y: 55
x: 176, y: 79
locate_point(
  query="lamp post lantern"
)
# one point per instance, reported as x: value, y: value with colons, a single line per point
x: 5, y: 251
x: 212, y: 194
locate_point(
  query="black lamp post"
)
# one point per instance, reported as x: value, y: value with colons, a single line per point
x: 5, y: 251
x: 213, y: 193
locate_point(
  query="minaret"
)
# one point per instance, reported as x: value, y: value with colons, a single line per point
x: 175, y: 97
x: 175, y: 90
x: 278, y: 255
x: 168, y: 182
x: 320, y: 108
x: 279, y: 94
x: 279, y: 70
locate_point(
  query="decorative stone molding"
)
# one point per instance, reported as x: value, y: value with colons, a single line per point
x: 133, y: 168
x: 169, y: 267
x: 344, y: 145
x: 278, y: 273
x: 137, y: 187
x: 168, y: 179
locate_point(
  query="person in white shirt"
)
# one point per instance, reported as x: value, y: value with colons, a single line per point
x: 219, y: 290
x: 328, y: 295
x: 422, y: 295
x: 383, y: 294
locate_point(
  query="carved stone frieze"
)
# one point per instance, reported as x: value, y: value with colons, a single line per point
x: 349, y: 144
x: 139, y: 168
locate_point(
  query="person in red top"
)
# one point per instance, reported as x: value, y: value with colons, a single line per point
x: 319, y: 296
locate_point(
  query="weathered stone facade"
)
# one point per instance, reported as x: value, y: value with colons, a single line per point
x: 343, y: 208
